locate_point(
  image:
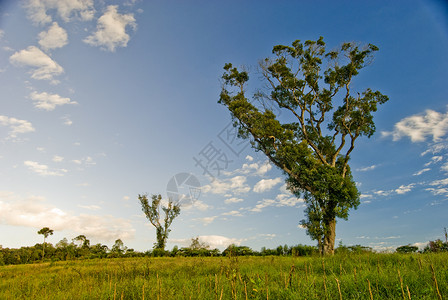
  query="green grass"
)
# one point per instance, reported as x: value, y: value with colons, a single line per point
x: 366, y: 276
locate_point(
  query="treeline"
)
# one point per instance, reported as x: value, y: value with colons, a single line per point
x: 80, y: 248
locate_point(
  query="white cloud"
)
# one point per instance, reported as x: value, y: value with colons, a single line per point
x: 420, y: 245
x: 445, y: 167
x: 234, y: 213
x: 235, y: 185
x: 440, y: 182
x: 36, y: 212
x: 16, y: 126
x: 199, y: 205
x: 434, y: 160
x: 67, y: 120
x: 369, y: 168
x: 85, y: 160
x: 419, y: 127
x: 266, y: 184
x: 263, y: 169
x: 44, y: 68
x: 90, y: 207
x: 43, y: 170
x: 268, y: 236
x: 126, y: 198
x: 421, y: 172
x: 252, y: 169
x: 49, y: 101
x: 438, y: 191
x: 403, y: 189
x: 111, y: 30
x: 207, y: 220
x: 281, y: 200
x: 233, y: 200
x: 55, y: 37
x: 58, y: 158
x: 65, y: 9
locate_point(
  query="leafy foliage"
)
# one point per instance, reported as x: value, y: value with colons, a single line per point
x: 313, y: 142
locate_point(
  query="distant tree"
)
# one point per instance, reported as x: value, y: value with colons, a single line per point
x: 99, y: 250
x: 436, y: 246
x: 196, y: 244
x: 234, y: 250
x: 407, y: 249
x: 45, y: 232
x: 152, y: 212
x: 119, y: 247
x: 307, y: 123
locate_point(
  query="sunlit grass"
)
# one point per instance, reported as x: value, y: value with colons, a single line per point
x: 365, y: 276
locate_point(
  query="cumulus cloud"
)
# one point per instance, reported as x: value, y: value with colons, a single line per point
x: 266, y: 184
x: 233, y: 200
x: 418, y: 127
x: 281, y: 200
x: 43, y: 170
x: 65, y: 9
x: 54, y: 37
x: 440, y: 182
x: 111, y: 30
x: 16, y: 126
x: 235, y: 185
x: 48, y: 101
x: 36, y: 212
x: 207, y: 220
x: 233, y: 213
x: 88, y: 160
x: 43, y: 67
x: 403, y: 189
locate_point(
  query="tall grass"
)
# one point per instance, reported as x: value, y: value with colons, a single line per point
x: 366, y: 276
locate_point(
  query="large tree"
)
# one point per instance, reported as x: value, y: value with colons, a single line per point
x: 306, y: 121
x: 152, y: 212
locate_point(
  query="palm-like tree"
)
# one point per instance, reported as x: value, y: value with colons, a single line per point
x: 45, y: 232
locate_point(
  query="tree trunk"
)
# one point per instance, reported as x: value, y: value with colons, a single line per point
x: 329, y: 238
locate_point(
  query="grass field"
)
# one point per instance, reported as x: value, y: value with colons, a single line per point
x: 366, y: 276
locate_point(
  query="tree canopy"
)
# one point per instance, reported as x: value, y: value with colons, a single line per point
x: 306, y: 122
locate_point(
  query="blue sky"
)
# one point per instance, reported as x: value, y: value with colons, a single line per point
x: 103, y: 100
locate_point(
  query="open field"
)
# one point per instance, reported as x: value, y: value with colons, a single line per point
x: 366, y: 276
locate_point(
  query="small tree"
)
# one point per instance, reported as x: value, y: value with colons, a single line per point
x: 152, y: 212
x: 45, y: 232
x: 196, y: 244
